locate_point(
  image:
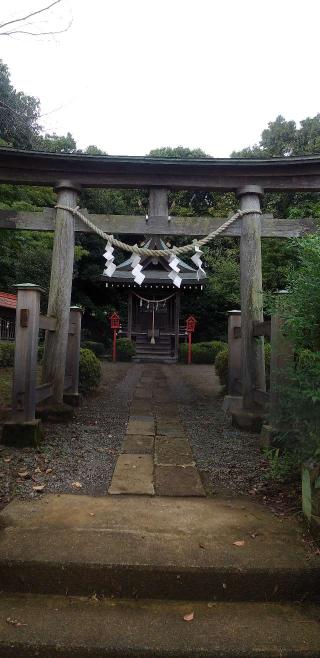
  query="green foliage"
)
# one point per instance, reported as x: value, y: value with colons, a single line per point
x: 303, y: 306
x: 6, y: 354
x: 221, y: 366
x: 125, y: 349
x: 298, y: 412
x: 177, y: 152
x: 221, y: 363
x: 90, y: 371
x: 97, y: 348
x: 19, y: 114
x: 280, y: 464
x: 205, y: 352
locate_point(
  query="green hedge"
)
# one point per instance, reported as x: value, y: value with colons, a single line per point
x: 221, y: 364
x: 205, y: 352
x: 6, y: 354
x: 125, y: 349
x: 89, y: 371
x: 97, y: 348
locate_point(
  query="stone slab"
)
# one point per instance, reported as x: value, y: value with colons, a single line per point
x: 155, y: 546
x: 133, y: 474
x: 141, y: 425
x: 178, y: 481
x: 143, y: 393
x: 167, y: 428
x: 141, y: 408
x: 66, y: 626
x: 138, y: 444
x: 173, y: 451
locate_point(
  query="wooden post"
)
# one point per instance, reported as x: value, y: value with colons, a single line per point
x: 158, y: 203
x: 60, y: 291
x: 129, y: 332
x: 234, y: 357
x: 24, y: 428
x: 253, y: 369
x: 73, y: 357
x: 282, y: 354
x: 176, y: 324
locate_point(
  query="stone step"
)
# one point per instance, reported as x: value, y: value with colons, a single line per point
x: 154, y: 358
x: 65, y: 627
x: 154, y: 547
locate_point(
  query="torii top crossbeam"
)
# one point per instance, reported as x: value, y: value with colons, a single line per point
x: 276, y: 174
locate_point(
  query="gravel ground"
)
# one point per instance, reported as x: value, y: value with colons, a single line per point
x: 79, y: 456
x: 229, y: 459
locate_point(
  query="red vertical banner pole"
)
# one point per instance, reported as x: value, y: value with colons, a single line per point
x: 114, y: 352
x: 189, y: 347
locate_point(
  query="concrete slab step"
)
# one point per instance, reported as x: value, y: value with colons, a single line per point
x: 133, y: 474
x: 66, y: 627
x: 154, y: 547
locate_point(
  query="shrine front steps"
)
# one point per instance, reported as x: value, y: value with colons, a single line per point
x: 154, y: 547
x: 133, y: 567
x: 64, y: 627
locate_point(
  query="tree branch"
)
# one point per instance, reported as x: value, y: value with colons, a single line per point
x: 34, y: 13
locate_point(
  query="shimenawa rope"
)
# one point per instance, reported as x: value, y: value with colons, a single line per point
x: 144, y: 251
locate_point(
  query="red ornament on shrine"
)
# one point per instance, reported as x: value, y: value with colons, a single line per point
x: 191, y: 324
x: 115, y: 321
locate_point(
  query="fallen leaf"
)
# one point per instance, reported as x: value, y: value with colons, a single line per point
x: 37, y: 470
x: 15, y: 622
x: 239, y: 543
x: 211, y: 604
x: 23, y: 474
x: 91, y: 514
x: 38, y: 487
x: 49, y: 470
x: 7, y: 460
x: 77, y: 485
x: 189, y: 616
x: 202, y: 546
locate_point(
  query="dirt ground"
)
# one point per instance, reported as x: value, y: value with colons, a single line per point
x: 80, y: 456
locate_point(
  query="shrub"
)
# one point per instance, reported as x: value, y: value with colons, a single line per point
x: 6, y: 354
x: 298, y: 412
x: 204, y: 352
x: 97, y: 348
x: 89, y: 370
x: 221, y: 365
x: 125, y: 349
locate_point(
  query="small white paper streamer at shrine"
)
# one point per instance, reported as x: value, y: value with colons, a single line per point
x: 137, y: 269
x: 174, y: 276
x: 108, y: 255
x: 196, y: 259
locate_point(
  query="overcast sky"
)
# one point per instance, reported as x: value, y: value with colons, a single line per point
x: 132, y: 75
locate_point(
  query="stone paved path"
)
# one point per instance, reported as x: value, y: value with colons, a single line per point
x: 156, y: 457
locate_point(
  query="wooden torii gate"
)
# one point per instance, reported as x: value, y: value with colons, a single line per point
x: 249, y: 179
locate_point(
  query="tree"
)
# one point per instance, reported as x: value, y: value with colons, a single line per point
x: 19, y: 114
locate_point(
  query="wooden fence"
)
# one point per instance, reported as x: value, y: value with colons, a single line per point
x: 282, y: 355
x: 26, y: 393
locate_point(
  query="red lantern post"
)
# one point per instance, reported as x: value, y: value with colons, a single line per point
x: 190, y: 325
x: 115, y: 324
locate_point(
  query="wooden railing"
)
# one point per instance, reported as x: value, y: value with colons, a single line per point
x: 281, y: 357
x: 26, y: 393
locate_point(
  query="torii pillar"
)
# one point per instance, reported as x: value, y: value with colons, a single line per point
x: 54, y: 360
x: 252, y: 349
